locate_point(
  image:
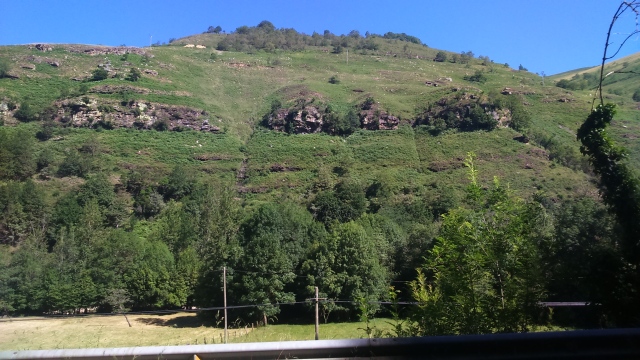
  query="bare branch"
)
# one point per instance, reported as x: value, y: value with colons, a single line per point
x: 624, y: 6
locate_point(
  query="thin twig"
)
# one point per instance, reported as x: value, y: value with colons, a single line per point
x: 624, y: 6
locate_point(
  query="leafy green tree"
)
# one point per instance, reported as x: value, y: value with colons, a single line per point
x: 620, y: 189
x: 347, y: 266
x: 178, y: 184
x: 214, y: 215
x: 347, y: 202
x: 485, y: 270
x: 17, y: 156
x: 149, y: 281
x: 98, y: 188
x: 576, y: 259
x: 26, y: 276
x: 274, y: 239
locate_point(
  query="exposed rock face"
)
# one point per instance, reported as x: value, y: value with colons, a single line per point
x: 93, y: 50
x: 381, y: 121
x: 305, y: 118
x: 465, y: 111
x: 308, y: 120
x: 502, y: 116
x: 139, y: 115
x: 373, y: 118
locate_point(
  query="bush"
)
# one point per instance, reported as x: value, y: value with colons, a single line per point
x: 334, y: 80
x: 477, y: 77
x: 99, y: 74
x: 46, y: 130
x: 636, y: 95
x: 160, y: 125
x: 75, y: 164
x: 26, y: 113
x: 440, y: 57
x: 134, y: 74
x: 4, y: 68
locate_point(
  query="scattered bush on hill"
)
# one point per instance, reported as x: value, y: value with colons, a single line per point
x: 26, y: 112
x: 99, y: 74
x: 441, y: 56
x: 5, y: 67
x: 478, y: 76
x: 134, y: 74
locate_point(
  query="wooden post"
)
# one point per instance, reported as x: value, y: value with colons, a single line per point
x: 224, y: 279
x: 317, y: 325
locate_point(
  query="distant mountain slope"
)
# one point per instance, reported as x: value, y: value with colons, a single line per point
x: 190, y: 85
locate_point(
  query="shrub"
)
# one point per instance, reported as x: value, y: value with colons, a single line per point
x: 75, y: 164
x: 636, y: 95
x: 161, y: 125
x: 477, y: 77
x: 99, y: 74
x: 334, y: 80
x: 440, y: 57
x: 4, y: 67
x: 26, y: 113
x: 134, y: 74
x: 46, y: 130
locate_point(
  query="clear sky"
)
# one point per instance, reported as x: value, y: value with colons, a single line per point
x: 548, y: 36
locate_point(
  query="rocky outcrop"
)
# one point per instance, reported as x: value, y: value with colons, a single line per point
x: 372, y: 117
x: 41, y: 47
x: 464, y: 110
x: 307, y: 120
x: 87, y: 112
x: 372, y: 120
x: 92, y: 50
x: 311, y: 117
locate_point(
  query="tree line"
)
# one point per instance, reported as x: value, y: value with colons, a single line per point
x: 484, y: 260
x: 265, y: 36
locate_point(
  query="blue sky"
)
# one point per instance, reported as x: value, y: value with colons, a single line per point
x: 542, y: 35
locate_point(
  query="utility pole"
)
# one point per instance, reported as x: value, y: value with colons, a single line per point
x: 317, y: 325
x: 347, y: 56
x: 224, y: 279
x: 150, y: 38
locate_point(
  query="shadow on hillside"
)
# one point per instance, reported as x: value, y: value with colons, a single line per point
x: 177, y: 322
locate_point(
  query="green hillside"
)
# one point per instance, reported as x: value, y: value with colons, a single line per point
x: 277, y: 153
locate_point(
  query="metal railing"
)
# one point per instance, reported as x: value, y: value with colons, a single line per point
x: 586, y: 344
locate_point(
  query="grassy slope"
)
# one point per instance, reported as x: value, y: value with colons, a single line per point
x: 236, y: 89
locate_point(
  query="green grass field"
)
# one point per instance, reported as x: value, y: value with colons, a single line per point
x: 156, y: 330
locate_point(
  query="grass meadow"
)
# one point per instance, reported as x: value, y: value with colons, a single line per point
x: 155, y: 330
